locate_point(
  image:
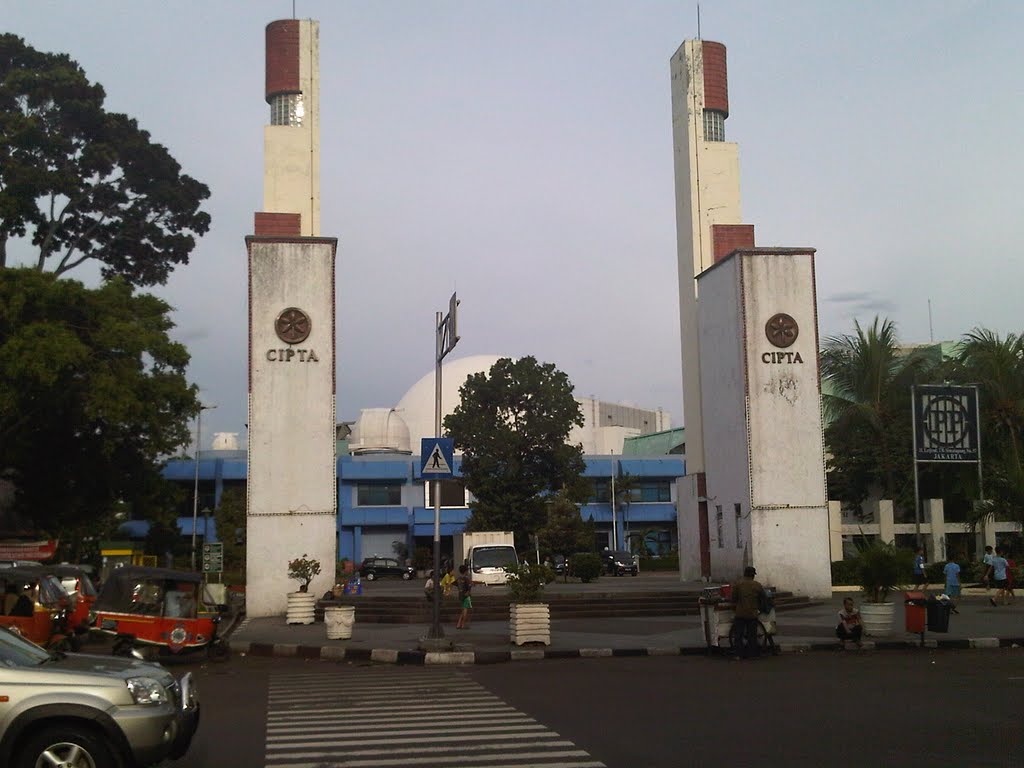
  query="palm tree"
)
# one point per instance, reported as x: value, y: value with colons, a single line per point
x: 867, y: 378
x: 996, y: 365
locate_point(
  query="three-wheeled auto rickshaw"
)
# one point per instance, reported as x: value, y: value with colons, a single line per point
x: 34, y: 604
x: 77, y: 583
x: 158, y: 612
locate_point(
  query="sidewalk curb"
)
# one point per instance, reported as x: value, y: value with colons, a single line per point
x: 465, y: 658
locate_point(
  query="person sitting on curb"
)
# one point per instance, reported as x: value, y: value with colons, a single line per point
x: 850, y: 626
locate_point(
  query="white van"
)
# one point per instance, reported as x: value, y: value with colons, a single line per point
x: 487, y: 562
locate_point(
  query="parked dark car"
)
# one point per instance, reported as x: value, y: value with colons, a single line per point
x: 376, y: 567
x: 618, y: 562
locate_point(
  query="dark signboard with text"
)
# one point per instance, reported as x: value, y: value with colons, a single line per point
x: 946, y: 423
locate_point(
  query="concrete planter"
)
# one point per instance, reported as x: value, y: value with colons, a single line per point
x: 338, y: 620
x: 530, y: 623
x: 877, y: 618
x: 301, y: 607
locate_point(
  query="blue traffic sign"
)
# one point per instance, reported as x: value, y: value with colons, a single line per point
x: 437, y: 457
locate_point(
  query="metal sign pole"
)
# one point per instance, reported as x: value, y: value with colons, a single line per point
x: 445, y: 339
x: 435, y: 628
x: 917, y: 499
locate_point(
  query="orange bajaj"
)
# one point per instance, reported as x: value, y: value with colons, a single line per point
x: 158, y: 611
x: 35, y: 605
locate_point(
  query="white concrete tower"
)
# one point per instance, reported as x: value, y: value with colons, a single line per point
x: 754, y: 492
x: 291, y: 142
x: 292, y: 477
x: 708, y: 216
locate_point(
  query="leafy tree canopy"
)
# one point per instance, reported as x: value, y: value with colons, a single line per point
x: 83, y: 183
x: 867, y: 377
x: 511, y: 426
x: 93, y: 395
x: 565, y: 532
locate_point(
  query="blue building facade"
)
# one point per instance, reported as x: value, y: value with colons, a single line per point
x: 383, y: 499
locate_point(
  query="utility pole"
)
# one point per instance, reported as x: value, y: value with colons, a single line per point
x: 195, y: 489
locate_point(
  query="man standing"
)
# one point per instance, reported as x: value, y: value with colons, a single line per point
x: 746, y: 594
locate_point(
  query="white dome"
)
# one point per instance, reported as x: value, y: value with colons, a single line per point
x: 417, y: 404
x: 379, y: 430
x: 225, y: 441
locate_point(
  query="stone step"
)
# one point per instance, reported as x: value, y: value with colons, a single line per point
x: 388, y: 609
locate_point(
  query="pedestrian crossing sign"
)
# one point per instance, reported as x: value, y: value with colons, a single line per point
x: 437, y: 457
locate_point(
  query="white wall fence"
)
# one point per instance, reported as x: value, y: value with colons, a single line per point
x: 934, y: 528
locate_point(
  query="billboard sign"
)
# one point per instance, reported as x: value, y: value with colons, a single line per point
x: 946, y: 426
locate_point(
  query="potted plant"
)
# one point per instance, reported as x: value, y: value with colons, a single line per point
x: 881, y: 568
x: 301, y: 604
x: 529, y: 618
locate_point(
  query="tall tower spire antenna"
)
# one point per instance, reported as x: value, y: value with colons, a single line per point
x: 698, y: 20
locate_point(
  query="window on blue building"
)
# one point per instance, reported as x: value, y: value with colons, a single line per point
x: 651, y: 491
x: 600, y: 491
x: 378, y: 494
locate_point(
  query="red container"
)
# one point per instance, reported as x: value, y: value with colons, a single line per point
x: 726, y: 591
x: 914, y: 608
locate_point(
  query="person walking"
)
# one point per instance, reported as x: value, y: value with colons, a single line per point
x: 920, y: 580
x: 952, y: 572
x: 465, y: 586
x: 746, y: 595
x: 987, y: 560
x: 997, y: 573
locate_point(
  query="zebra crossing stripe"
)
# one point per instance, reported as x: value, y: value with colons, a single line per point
x: 365, y: 733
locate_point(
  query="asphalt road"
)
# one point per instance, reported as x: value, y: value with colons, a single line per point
x: 927, y: 708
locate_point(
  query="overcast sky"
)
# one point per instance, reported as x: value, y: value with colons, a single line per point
x: 521, y: 154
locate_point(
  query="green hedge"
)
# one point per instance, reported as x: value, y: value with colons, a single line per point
x: 669, y: 562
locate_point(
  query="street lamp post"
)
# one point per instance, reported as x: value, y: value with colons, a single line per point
x: 195, y: 490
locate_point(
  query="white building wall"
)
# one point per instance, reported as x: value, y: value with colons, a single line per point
x: 789, y: 502
x: 292, y: 483
x: 724, y: 412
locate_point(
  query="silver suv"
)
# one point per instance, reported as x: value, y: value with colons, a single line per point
x: 86, y: 711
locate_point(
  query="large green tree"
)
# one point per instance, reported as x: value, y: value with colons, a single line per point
x: 512, y: 426
x: 80, y: 183
x: 867, y: 398
x: 93, y: 395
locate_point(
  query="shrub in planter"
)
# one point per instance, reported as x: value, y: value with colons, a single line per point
x: 586, y: 566
x: 882, y: 568
x: 304, y: 570
x: 526, y: 582
x: 844, y: 573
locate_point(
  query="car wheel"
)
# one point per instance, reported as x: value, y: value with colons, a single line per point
x: 370, y: 576
x: 406, y: 576
x: 68, y: 745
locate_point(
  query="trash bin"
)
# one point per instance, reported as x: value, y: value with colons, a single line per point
x: 915, y: 606
x: 938, y: 614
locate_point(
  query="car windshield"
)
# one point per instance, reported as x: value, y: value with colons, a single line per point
x: 622, y: 556
x: 16, y: 651
x: 494, y: 557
